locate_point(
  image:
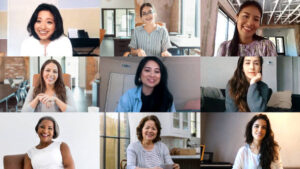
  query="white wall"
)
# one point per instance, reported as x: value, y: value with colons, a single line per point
x: 216, y: 71
x: 79, y: 130
x: 289, y: 39
x: 18, y: 18
x: 82, y: 72
x: 288, y: 74
x: 78, y: 4
x: 223, y: 134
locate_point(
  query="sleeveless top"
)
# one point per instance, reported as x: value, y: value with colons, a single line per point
x: 47, y: 158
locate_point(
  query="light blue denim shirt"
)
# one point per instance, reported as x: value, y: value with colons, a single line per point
x: 131, y: 101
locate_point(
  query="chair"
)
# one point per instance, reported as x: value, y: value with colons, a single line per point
x: 102, y: 33
x: 123, y: 164
x: 14, y: 161
x: 159, y: 23
x: 20, y: 96
x: 66, y: 77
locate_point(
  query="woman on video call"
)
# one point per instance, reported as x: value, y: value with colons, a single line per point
x: 245, y: 42
x: 149, y: 152
x: 149, y: 39
x: 50, y: 94
x: 245, y: 91
x: 48, y: 153
x: 261, y: 150
x: 151, y: 93
x: 46, y: 34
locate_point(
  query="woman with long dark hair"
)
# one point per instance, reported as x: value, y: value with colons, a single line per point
x: 245, y: 91
x: 261, y: 150
x: 46, y: 34
x: 245, y: 42
x: 151, y: 93
x: 51, y: 94
x: 150, y: 39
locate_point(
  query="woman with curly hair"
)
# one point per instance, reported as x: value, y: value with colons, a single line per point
x: 261, y: 150
x: 245, y: 91
x: 51, y: 94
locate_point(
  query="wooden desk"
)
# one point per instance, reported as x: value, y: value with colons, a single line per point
x: 6, y: 92
x: 185, y: 43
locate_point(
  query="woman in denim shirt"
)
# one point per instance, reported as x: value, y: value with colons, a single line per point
x: 151, y: 93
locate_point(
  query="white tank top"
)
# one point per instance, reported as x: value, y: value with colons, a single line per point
x: 46, y: 158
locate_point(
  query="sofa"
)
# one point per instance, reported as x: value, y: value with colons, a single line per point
x: 213, y: 104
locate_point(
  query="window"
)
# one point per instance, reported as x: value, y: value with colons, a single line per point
x: 190, y: 19
x: 195, y: 124
x: 278, y: 41
x: 114, y: 139
x: 225, y: 29
x: 118, y: 22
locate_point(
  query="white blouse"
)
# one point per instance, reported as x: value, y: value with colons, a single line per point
x: 246, y: 159
x: 58, y: 47
x: 46, y: 158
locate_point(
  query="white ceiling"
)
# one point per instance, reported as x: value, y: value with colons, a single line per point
x: 276, y: 11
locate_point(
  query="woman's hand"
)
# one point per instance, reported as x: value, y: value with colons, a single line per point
x: 166, y: 53
x: 156, y: 168
x: 176, y: 166
x: 47, y: 100
x: 256, y: 78
x: 141, y: 52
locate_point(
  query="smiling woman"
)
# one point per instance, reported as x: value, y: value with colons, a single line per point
x: 245, y: 42
x: 151, y: 93
x: 48, y: 153
x: 149, y: 152
x: 245, y: 91
x: 50, y: 95
x: 150, y: 39
x: 46, y: 34
x: 261, y: 150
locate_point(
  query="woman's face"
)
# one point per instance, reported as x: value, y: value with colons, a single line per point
x: 44, y: 25
x: 149, y: 131
x: 50, y: 74
x: 259, y: 129
x: 251, y: 66
x: 46, y: 131
x: 148, y: 15
x: 248, y: 21
x: 150, y: 75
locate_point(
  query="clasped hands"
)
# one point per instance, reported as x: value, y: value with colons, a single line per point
x: 46, y: 99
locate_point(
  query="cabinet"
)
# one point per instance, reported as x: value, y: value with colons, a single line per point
x: 172, y: 124
x: 121, y: 46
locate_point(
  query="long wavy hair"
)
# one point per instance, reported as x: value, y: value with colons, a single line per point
x: 269, y: 147
x: 235, y: 41
x: 163, y: 99
x: 59, y: 86
x: 238, y: 85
